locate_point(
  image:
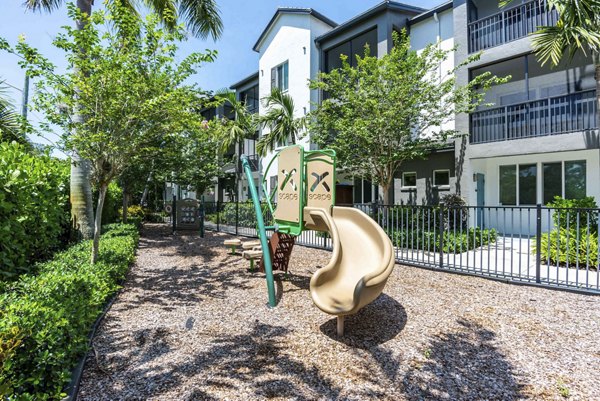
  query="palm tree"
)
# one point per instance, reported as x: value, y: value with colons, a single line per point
x: 234, y: 132
x: 10, y: 129
x: 280, y: 120
x: 202, y: 19
x: 577, y: 30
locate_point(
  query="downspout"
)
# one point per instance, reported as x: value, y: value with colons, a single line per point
x: 436, y: 18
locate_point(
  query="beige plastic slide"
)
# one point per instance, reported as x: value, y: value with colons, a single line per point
x: 361, y: 262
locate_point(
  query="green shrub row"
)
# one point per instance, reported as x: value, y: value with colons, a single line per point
x: 45, y: 318
x: 453, y: 242
x: 570, y: 248
x: 34, y: 208
x: 245, y: 215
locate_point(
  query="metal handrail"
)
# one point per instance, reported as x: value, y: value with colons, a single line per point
x: 533, y: 101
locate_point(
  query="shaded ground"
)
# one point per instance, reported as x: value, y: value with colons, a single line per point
x: 192, y: 323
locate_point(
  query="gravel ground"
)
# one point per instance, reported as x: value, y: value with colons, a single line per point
x: 192, y: 324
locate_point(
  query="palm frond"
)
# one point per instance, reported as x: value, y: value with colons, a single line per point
x: 43, y: 5
x: 202, y: 17
x: 280, y: 121
x: 10, y: 129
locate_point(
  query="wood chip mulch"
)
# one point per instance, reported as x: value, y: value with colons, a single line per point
x: 192, y: 324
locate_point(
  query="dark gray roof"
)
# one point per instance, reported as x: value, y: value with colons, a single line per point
x: 383, y: 6
x: 292, y: 10
x: 442, y: 7
x: 244, y: 81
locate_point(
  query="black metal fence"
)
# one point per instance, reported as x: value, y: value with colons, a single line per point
x: 553, y: 247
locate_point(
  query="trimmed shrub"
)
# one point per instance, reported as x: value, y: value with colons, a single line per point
x: 136, y: 211
x: 34, y: 208
x: 453, y: 243
x: 575, y: 213
x: 570, y: 248
x: 45, y: 318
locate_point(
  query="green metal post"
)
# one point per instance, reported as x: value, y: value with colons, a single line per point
x: 262, y: 234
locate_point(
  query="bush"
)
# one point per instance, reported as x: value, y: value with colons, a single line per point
x: 136, y: 211
x: 457, y: 214
x: 45, y: 318
x: 574, y: 213
x: 567, y: 247
x: 34, y: 208
x: 245, y: 215
x: 113, y: 203
x: 453, y: 243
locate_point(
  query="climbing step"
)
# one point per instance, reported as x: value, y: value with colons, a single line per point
x: 280, y: 249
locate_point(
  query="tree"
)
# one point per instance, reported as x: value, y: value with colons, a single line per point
x: 197, y: 163
x: 128, y: 85
x: 234, y: 132
x: 280, y: 121
x: 391, y: 109
x: 577, y: 30
x: 9, y: 123
x: 201, y: 17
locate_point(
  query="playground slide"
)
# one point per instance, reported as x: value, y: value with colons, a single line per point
x: 361, y: 262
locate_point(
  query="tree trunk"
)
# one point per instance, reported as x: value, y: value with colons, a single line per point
x: 146, y: 189
x: 82, y: 208
x: 98, y: 222
x: 385, y: 189
x: 125, y: 203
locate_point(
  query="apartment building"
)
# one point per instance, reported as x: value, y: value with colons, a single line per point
x: 537, y: 137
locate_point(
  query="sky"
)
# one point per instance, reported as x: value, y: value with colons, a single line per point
x: 243, y: 23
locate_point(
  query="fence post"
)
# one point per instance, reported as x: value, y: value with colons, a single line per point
x: 441, y: 234
x: 202, y: 213
x: 538, y: 243
x: 218, y: 214
x: 237, y: 215
x: 174, y: 213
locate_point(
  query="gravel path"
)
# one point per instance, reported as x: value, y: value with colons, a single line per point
x: 192, y: 324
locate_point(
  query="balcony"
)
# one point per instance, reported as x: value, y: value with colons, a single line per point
x: 253, y: 161
x: 510, y: 24
x: 554, y: 115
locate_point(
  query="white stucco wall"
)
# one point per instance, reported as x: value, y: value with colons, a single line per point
x: 430, y: 31
x: 291, y: 38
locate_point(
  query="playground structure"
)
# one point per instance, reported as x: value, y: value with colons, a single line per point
x: 362, y: 257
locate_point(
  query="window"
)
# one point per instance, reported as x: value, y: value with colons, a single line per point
x: 564, y: 179
x: 508, y: 185
x: 279, y: 77
x: 409, y: 180
x: 351, y: 48
x: 530, y: 81
x: 575, y: 185
x: 250, y: 99
x: 552, y: 181
x: 527, y: 184
x: 518, y: 192
x: 441, y: 178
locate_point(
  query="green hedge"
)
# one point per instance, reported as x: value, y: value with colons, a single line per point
x: 45, y: 318
x: 34, y: 208
x: 453, y: 243
x: 567, y: 247
x: 575, y: 213
x: 245, y: 214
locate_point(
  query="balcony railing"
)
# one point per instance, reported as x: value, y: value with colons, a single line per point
x: 555, y: 115
x: 253, y: 160
x: 510, y: 24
